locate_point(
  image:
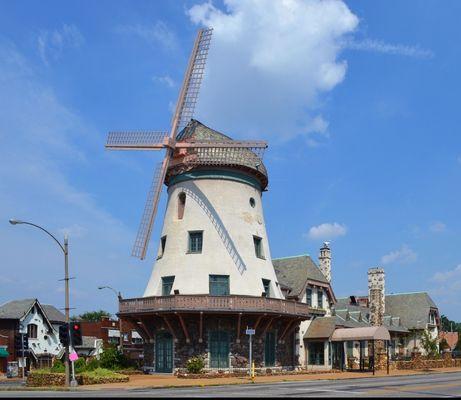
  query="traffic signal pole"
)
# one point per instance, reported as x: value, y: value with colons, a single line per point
x: 23, y: 359
x: 66, y: 281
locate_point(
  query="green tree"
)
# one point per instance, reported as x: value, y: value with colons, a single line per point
x: 429, y: 344
x: 91, y: 316
x: 112, y: 358
x: 458, y: 345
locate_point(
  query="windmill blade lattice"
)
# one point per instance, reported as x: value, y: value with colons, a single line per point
x: 136, y: 140
x: 193, y: 80
x: 150, y: 209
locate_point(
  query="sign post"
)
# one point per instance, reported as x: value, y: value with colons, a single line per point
x: 250, y: 333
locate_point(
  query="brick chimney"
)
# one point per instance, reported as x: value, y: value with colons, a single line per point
x: 325, y: 261
x: 376, y: 295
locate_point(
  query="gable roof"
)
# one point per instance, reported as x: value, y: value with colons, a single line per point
x: 53, y: 314
x: 412, y: 308
x: 294, y: 271
x: 16, y: 309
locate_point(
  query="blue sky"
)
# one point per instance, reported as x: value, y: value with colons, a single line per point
x: 358, y: 100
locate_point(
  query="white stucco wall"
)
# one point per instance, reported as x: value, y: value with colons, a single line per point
x: 230, y: 204
x: 47, y: 341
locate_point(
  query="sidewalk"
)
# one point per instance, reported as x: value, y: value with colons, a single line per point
x: 163, y: 381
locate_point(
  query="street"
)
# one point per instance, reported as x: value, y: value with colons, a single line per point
x: 430, y: 385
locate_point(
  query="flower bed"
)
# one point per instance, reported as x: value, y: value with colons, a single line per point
x: 45, y: 377
x: 243, y: 373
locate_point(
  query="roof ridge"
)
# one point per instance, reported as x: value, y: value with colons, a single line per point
x: 398, y: 294
x: 300, y: 255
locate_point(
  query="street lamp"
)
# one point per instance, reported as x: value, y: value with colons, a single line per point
x: 119, y: 297
x: 65, y: 249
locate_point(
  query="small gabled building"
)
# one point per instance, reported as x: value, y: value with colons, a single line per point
x: 40, y: 323
x: 309, y: 284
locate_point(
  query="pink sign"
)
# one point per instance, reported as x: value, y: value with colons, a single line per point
x: 73, y: 356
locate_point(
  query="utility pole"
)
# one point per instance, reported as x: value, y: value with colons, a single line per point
x: 65, y: 250
x: 67, y: 309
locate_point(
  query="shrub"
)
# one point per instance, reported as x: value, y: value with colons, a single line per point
x: 92, y: 364
x: 112, y: 358
x: 58, y: 366
x: 443, y: 345
x: 195, y: 365
x: 429, y: 344
x: 80, y: 365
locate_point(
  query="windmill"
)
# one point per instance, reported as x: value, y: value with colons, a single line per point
x: 180, y: 150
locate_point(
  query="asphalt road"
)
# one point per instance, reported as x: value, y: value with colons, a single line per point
x: 430, y: 385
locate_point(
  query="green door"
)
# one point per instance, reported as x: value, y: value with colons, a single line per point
x: 269, y: 349
x: 164, y: 352
x: 219, y: 349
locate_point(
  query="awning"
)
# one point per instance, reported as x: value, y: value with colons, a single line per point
x: 4, y: 352
x: 365, y: 333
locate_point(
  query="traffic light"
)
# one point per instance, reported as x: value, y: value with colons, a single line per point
x: 76, y: 334
x: 25, y: 341
x: 17, y: 342
x: 64, y: 334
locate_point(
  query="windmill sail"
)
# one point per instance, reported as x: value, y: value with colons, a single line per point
x: 150, y: 209
x: 192, y: 80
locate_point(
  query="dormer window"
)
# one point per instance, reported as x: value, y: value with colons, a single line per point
x: 320, y: 298
x: 309, y: 297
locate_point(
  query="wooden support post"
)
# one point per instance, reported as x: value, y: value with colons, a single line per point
x: 200, y: 338
x: 142, y: 327
x: 282, y: 336
x: 170, y: 328
x: 265, y: 329
x: 239, y: 322
x: 183, y: 326
x: 258, y: 321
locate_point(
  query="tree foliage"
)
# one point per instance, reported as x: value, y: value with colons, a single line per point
x: 91, y: 316
x: 447, y: 325
x: 112, y: 358
x: 429, y: 344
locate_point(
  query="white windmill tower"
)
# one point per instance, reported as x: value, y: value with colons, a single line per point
x: 214, y: 252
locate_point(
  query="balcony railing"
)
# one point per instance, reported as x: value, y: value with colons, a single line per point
x: 224, y: 304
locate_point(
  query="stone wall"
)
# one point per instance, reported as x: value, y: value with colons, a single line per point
x: 238, y: 347
x: 419, y: 362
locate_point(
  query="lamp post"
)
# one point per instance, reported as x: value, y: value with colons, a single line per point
x: 119, y: 297
x: 65, y: 249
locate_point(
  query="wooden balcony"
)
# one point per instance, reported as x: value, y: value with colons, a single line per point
x: 216, y: 304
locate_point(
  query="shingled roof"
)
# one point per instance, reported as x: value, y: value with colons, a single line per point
x: 411, y: 308
x: 294, y: 271
x: 16, y: 309
x: 242, y: 159
x: 321, y: 328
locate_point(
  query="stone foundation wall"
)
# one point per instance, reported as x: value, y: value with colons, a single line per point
x: 419, y: 362
x: 238, y: 347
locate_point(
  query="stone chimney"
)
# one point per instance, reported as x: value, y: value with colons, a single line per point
x: 325, y: 261
x: 376, y: 295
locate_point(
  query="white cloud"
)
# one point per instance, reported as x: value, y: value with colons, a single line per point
x: 43, y: 143
x: 326, y: 231
x: 405, y: 255
x: 438, y: 227
x: 386, y: 48
x: 165, y: 80
x: 52, y: 43
x: 155, y: 34
x: 269, y: 63
x: 448, y: 276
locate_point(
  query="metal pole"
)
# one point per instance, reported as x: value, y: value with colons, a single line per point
x: 22, y: 351
x: 121, y: 335
x: 388, y: 343
x: 373, y: 345
x: 250, y: 354
x: 66, y: 283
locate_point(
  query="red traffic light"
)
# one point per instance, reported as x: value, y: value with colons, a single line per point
x: 76, y: 327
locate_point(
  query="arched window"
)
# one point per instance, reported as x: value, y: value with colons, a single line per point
x: 181, y: 204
